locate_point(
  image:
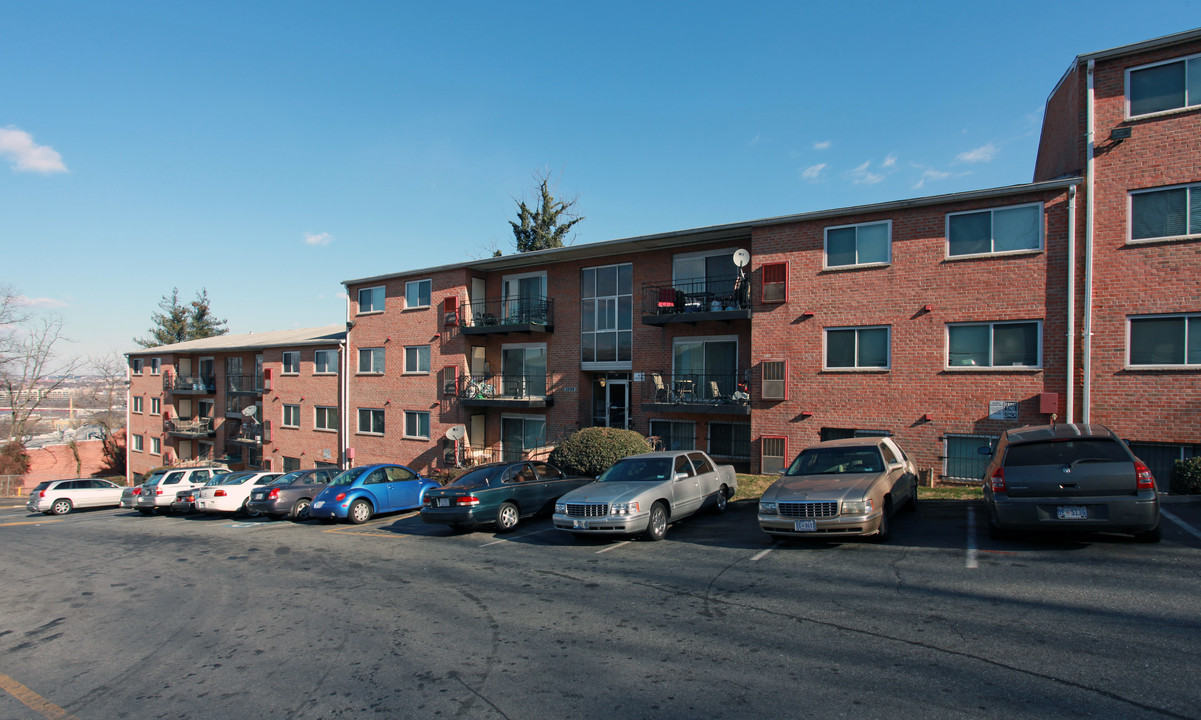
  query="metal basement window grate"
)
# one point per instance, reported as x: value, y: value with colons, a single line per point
x: 963, y: 461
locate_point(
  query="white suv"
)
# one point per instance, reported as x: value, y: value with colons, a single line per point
x: 60, y: 497
x: 159, y: 490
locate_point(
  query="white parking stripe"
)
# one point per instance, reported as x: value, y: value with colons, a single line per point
x: 762, y: 554
x: 613, y: 547
x: 972, y: 562
x: 1184, y: 526
x: 515, y: 537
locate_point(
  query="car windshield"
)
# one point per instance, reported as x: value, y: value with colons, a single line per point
x: 638, y: 470
x: 217, y: 479
x: 478, y: 477
x: 154, y: 478
x: 345, y: 477
x: 236, y: 478
x: 287, y: 478
x: 837, y: 461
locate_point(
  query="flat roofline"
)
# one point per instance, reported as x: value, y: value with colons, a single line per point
x: 713, y: 233
x: 329, y: 335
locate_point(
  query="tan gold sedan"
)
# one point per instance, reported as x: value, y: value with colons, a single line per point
x: 841, y: 488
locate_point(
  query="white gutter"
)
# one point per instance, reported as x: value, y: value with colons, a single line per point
x: 344, y: 347
x: 128, y: 405
x: 1086, y: 350
x: 1070, y: 397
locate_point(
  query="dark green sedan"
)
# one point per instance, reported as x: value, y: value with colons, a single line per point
x: 499, y: 494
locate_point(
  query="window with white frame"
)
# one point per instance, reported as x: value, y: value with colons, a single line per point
x: 1163, y: 86
x: 156, y: 365
x: 730, y: 440
x: 1165, y: 212
x: 292, y: 362
x: 136, y: 443
x: 999, y: 230
x: 371, y: 299
x: 519, y: 434
x: 707, y: 273
x: 857, y: 348
x: 995, y: 344
x: 417, y: 294
x: 525, y: 299
x: 417, y: 358
x: 698, y: 362
x: 674, y: 434
x: 417, y: 424
x: 291, y: 416
x: 156, y: 446
x: 137, y: 404
x: 606, y: 317
x: 523, y: 370
x: 156, y: 406
x: 1165, y: 341
x: 371, y: 360
x: 325, y: 418
x: 325, y: 361
x: 371, y: 421
x: 862, y: 244
x: 135, y: 365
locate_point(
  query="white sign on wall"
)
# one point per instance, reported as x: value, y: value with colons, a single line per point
x: 1002, y: 410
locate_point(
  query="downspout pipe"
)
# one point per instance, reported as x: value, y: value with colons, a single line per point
x: 344, y: 348
x: 128, y: 418
x: 1070, y: 395
x: 1086, y: 350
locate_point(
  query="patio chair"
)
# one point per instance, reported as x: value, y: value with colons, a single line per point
x: 661, y: 393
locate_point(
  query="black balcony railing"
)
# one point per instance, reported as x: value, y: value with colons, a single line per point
x: 247, y: 434
x: 725, y: 298
x: 526, y: 314
x: 459, y: 456
x: 526, y: 390
x: 188, y: 383
x: 202, y: 427
x: 244, y: 384
x: 698, y: 391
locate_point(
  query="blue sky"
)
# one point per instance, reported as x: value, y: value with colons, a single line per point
x: 268, y: 151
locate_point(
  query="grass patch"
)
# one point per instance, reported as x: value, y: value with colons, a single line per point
x: 750, y: 487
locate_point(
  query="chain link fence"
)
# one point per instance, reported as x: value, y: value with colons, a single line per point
x: 12, y: 485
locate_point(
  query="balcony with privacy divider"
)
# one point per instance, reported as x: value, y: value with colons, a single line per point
x: 514, y: 315
x: 506, y: 391
x: 723, y: 299
x: 189, y: 383
x: 696, y: 392
x: 199, y: 428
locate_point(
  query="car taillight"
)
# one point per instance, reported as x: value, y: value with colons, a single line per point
x: 219, y: 493
x: 997, y: 482
x: 274, y: 494
x: 41, y: 493
x: 137, y: 491
x: 158, y: 491
x: 427, y: 500
x: 340, y: 496
x: 467, y: 500
x: 1142, y: 473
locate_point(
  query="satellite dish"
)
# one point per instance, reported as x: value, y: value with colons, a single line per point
x: 456, y: 432
x: 249, y: 411
x: 742, y: 258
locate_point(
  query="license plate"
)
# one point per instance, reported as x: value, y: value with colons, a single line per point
x: 256, y: 496
x: 581, y: 524
x: 1072, y: 512
x: 806, y: 526
x: 442, y: 502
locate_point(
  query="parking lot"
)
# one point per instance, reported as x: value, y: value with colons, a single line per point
x: 110, y: 614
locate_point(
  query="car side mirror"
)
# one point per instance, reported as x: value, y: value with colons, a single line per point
x: 681, y: 476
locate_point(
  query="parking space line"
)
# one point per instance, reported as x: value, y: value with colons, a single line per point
x: 613, y: 547
x: 516, y: 537
x: 30, y: 522
x: 1183, y: 525
x: 972, y: 561
x: 763, y: 553
x: 33, y: 701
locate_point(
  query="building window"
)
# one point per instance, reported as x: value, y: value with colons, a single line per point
x: 1165, y: 341
x: 866, y: 244
x: 371, y: 421
x: 291, y: 416
x: 371, y: 300
x: 1164, y: 86
x: 417, y: 358
x: 325, y: 362
x: 775, y: 380
x: 606, y: 317
x: 417, y: 424
x: 450, y: 380
x: 156, y: 365
x: 523, y: 370
x: 417, y: 294
x: 709, y: 274
x: 857, y: 348
x: 135, y: 365
x: 156, y: 446
x: 521, y: 434
x: 291, y: 464
x: 730, y: 440
x: 1165, y: 213
x: 326, y: 418
x: 696, y: 363
x: 137, y: 404
x: 371, y: 360
x: 774, y: 278
x: 963, y: 460
x: 772, y: 454
x: 674, y: 434
x: 156, y: 406
x: 1001, y: 230
x: 1002, y: 344
x: 292, y: 362
x: 136, y: 441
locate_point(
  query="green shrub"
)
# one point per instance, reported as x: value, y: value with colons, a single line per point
x: 592, y: 450
x: 1186, y: 477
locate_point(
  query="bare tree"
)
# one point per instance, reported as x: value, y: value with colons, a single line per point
x: 111, y: 372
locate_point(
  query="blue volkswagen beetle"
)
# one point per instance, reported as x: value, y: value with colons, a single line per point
x: 360, y: 493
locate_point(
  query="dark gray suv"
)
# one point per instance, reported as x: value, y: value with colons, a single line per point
x: 1069, y: 477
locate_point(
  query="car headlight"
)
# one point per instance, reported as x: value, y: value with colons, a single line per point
x: 561, y: 508
x: 767, y: 508
x: 857, y: 507
x: 623, y: 508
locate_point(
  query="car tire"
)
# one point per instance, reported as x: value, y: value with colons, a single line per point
x: 246, y: 511
x: 911, y: 503
x: 360, y: 512
x: 61, y: 506
x: 1153, y: 535
x: 885, y: 532
x: 722, y: 501
x: 656, y: 525
x: 507, y: 517
x: 300, y: 510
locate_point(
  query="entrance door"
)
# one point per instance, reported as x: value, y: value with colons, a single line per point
x: 611, y: 404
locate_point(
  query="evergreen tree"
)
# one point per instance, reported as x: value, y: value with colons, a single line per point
x: 201, y: 321
x: 176, y: 323
x: 546, y: 225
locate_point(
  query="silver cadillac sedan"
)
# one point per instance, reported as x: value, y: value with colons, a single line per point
x: 840, y: 488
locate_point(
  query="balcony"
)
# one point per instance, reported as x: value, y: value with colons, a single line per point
x: 466, y: 457
x: 723, y: 299
x: 202, y: 428
x: 510, y: 391
x: 243, y: 385
x: 187, y: 384
x: 518, y: 315
x: 697, y: 392
x: 247, y: 434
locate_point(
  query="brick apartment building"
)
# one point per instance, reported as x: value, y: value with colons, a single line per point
x: 939, y: 320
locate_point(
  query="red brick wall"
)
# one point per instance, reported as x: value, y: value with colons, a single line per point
x: 146, y: 424
x: 1061, y: 145
x: 308, y: 390
x: 56, y: 462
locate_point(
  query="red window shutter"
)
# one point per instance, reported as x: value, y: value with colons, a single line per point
x: 450, y: 310
x: 775, y: 282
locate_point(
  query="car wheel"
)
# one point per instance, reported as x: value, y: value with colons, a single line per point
x: 300, y: 509
x: 60, y: 507
x: 722, y: 500
x: 656, y: 527
x: 1153, y: 535
x: 507, y: 517
x: 360, y: 512
x: 146, y: 511
x: 885, y: 530
x: 911, y: 503
x: 245, y: 509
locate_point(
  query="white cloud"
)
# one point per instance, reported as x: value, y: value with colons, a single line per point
x: 756, y: 140
x: 42, y: 302
x: 890, y: 161
x: 315, y: 239
x: 26, y: 155
x: 822, y: 145
x: 930, y: 174
x: 813, y: 172
x: 863, y: 175
x: 984, y: 153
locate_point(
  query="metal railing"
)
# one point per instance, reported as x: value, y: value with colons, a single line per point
x: 250, y: 384
x: 506, y: 386
x: 181, y: 382
x: 247, y: 434
x: 514, y: 311
x: 472, y: 456
x: 701, y: 295
x: 691, y: 387
x: 201, y: 427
